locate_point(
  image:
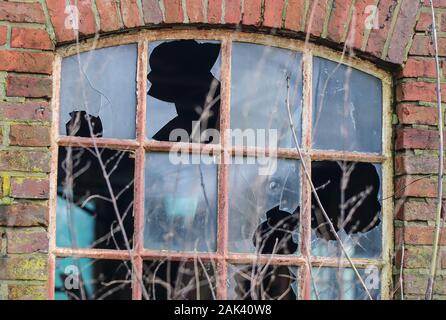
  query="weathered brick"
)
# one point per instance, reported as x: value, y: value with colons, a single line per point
x: 423, y: 46
x: 358, y: 25
x: 273, y: 13
x: 252, y: 12
x: 408, y: 164
x: 108, y: 15
x: 27, y: 240
x: 29, y: 188
x: 130, y: 14
x: 412, y: 114
x: 22, y: 160
x: 24, y: 267
x: 424, y: 22
x: 295, y: 15
x: 443, y: 260
x: 415, y: 283
x: 414, y: 138
x: 152, y: 11
x: 29, y: 135
x: 422, y: 235
x: 21, y: 12
x: 419, y: 91
x: 195, y: 11
x: 214, y: 11
x: 419, y: 67
x: 173, y: 11
x: 442, y: 22
x: 338, y: 20
x: 27, y: 291
x: 25, y: 111
x: 436, y: 3
x: 3, y: 35
x: 31, y: 39
x: 232, y: 11
x: 23, y: 215
x: 416, y: 186
x: 403, y: 30
x: 415, y: 257
x: 416, y: 209
x: 32, y: 62
x: 27, y: 86
x: 378, y: 37
x: 316, y: 17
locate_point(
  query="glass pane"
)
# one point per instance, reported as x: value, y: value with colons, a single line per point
x: 259, y: 93
x: 347, y: 108
x: 183, y: 81
x: 89, y: 279
x: 180, y: 204
x: 180, y: 280
x: 86, y: 217
x: 343, y: 284
x: 264, y: 205
x: 263, y: 282
x: 99, y: 86
x: 359, y: 221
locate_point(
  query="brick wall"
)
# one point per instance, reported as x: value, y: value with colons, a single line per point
x: 30, y: 30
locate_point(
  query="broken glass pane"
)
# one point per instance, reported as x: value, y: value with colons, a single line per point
x: 263, y: 282
x: 180, y: 280
x: 264, y: 203
x: 180, y: 203
x: 347, y: 108
x: 343, y: 284
x: 259, y: 78
x: 86, y: 217
x: 90, y: 279
x: 358, y: 222
x: 99, y: 85
x: 183, y: 89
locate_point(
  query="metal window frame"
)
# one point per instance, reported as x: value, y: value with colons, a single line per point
x: 141, y: 145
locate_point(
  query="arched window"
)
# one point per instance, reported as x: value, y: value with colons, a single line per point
x: 183, y: 161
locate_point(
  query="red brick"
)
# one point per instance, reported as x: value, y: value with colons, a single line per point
x: 408, y: 164
x: 252, y: 12
x: 422, y: 235
x: 273, y: 13
x: 173, y: 11
x: 377, y: 38
x: 316, y: 17
x: 21, y: 12
x: 29, y: 135
x: 27, y: 188
x: 442, y: 22
x: 23, y: 215
x: 338, y: 20
x: 419, y: 91
x: 357, y: 26
x: 419, y: 67
x: 109, y: 15
x: 422, y: 46
x: 403, y: 31
x: 443, y: 260
x: 233, y: 11
x: 416, y: 210
x: 194, y: 9
x: 411, y: 114
x: 27, y: 86
x: 87, y: 23
x: 295, y: 15
x: 3, y: 35
x: 29, y: 161
x: 436, y: 3
x: 130, y: 14
x: 27, y: 240
x: 424, y: 22
x: 27, y: 291
x: 215, y: 11
x: 27, y: 111
x: 31, y: 39
x: 416, y: 186
x: 31, y: 62
x: 152, y: 11
x: 413, y: 138
x: 24, y: 267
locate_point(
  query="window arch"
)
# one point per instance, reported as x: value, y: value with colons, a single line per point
x: 210, y: 218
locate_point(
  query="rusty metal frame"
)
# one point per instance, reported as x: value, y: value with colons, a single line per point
x: 141, y: 145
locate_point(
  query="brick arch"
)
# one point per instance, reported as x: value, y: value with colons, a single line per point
x: 334, y: 22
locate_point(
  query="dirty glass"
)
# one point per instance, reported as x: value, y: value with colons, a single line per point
x: 180, y: 280
x: 259, y: 93
x: 180, y: 203
x: 263, y: 282
x: 359, y: 223
x: 85, y: 215
x: 183, y: 84
x: 91, y: 279
x: 347, y: 104
x: 99, y: 85
x: 343, y: 284
x: 264, y: 203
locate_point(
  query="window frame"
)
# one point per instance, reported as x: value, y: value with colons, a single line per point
x: 141, y: 145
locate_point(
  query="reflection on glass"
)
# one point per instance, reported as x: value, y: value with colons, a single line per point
x: 180, y: 204
x: 86, y: 217
x: 184, y: 87
x: 264, y: 200
x: 262, y: 282
x: 89, y: 279
x: 179, y: 280
x: 99, y: 85
x: 350, y: 193
x: 347, y: 108
x: 343, y: 284
x: 259, y: 93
